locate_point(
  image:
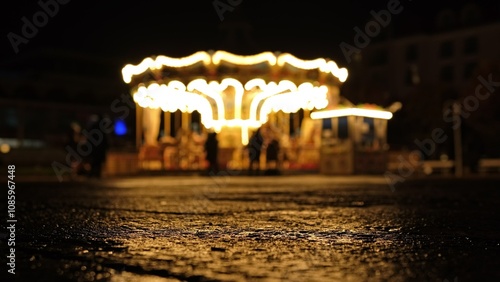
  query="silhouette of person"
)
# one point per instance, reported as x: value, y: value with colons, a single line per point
x: 254, y: 150
x: 212, y: 150
x: 272, y: 152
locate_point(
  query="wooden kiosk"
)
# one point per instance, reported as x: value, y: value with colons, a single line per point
x: 354, y: 139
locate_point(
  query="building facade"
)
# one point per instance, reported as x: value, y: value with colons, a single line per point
x: 428, y: 70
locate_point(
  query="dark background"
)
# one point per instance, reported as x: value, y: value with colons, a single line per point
x: 130, y: 31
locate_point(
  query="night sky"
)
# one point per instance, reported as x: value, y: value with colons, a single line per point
x: 128, y: 32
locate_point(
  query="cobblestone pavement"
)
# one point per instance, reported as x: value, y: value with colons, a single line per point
x: 286, y: 228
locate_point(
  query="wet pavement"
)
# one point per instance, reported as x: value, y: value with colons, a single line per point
x: 285, y: 228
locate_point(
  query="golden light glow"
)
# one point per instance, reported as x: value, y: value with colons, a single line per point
x: 284, y: 96
x: 238, y: 95
x: 267, y: 90
x: 321, y: 64
x: 352, y: 112
x: 331, y: 67
x: 244, y: 60
x: 219, y: 56
x: 4, y: 148
x: 307, y: 96
x: 298, y: 63
x: 203, y: 87
x: 237, y: 123
x: 172, y: 98
x: 197, y: 57
x: 210, y: 98
x: 244, y: 135
x: 149, y: 63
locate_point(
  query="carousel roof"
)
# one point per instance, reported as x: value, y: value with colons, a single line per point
x: 224, y: 63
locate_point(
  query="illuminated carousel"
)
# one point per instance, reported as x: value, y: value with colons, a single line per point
x: 179, y: 100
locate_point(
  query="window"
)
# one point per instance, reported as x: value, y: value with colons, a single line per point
x: 327, y: 124
x: 469, y: 69
x: 447, y: 74
x: 470, y: 45
x: 446, y: 50
x: 343, y: 128
x: 411, y: 53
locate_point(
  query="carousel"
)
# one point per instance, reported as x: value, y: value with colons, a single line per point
x: 180, y: 100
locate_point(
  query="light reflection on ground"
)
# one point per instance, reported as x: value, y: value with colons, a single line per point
x: 301, y: 228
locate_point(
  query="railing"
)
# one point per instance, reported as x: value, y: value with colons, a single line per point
x: 443, y: 166
x: 489, y: 165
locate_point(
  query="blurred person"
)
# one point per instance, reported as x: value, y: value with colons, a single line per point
x: 272, y: 153
x: 211, y: 151
x: 254, y: 149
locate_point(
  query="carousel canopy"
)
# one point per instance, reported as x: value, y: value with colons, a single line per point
x: 225, y: 63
